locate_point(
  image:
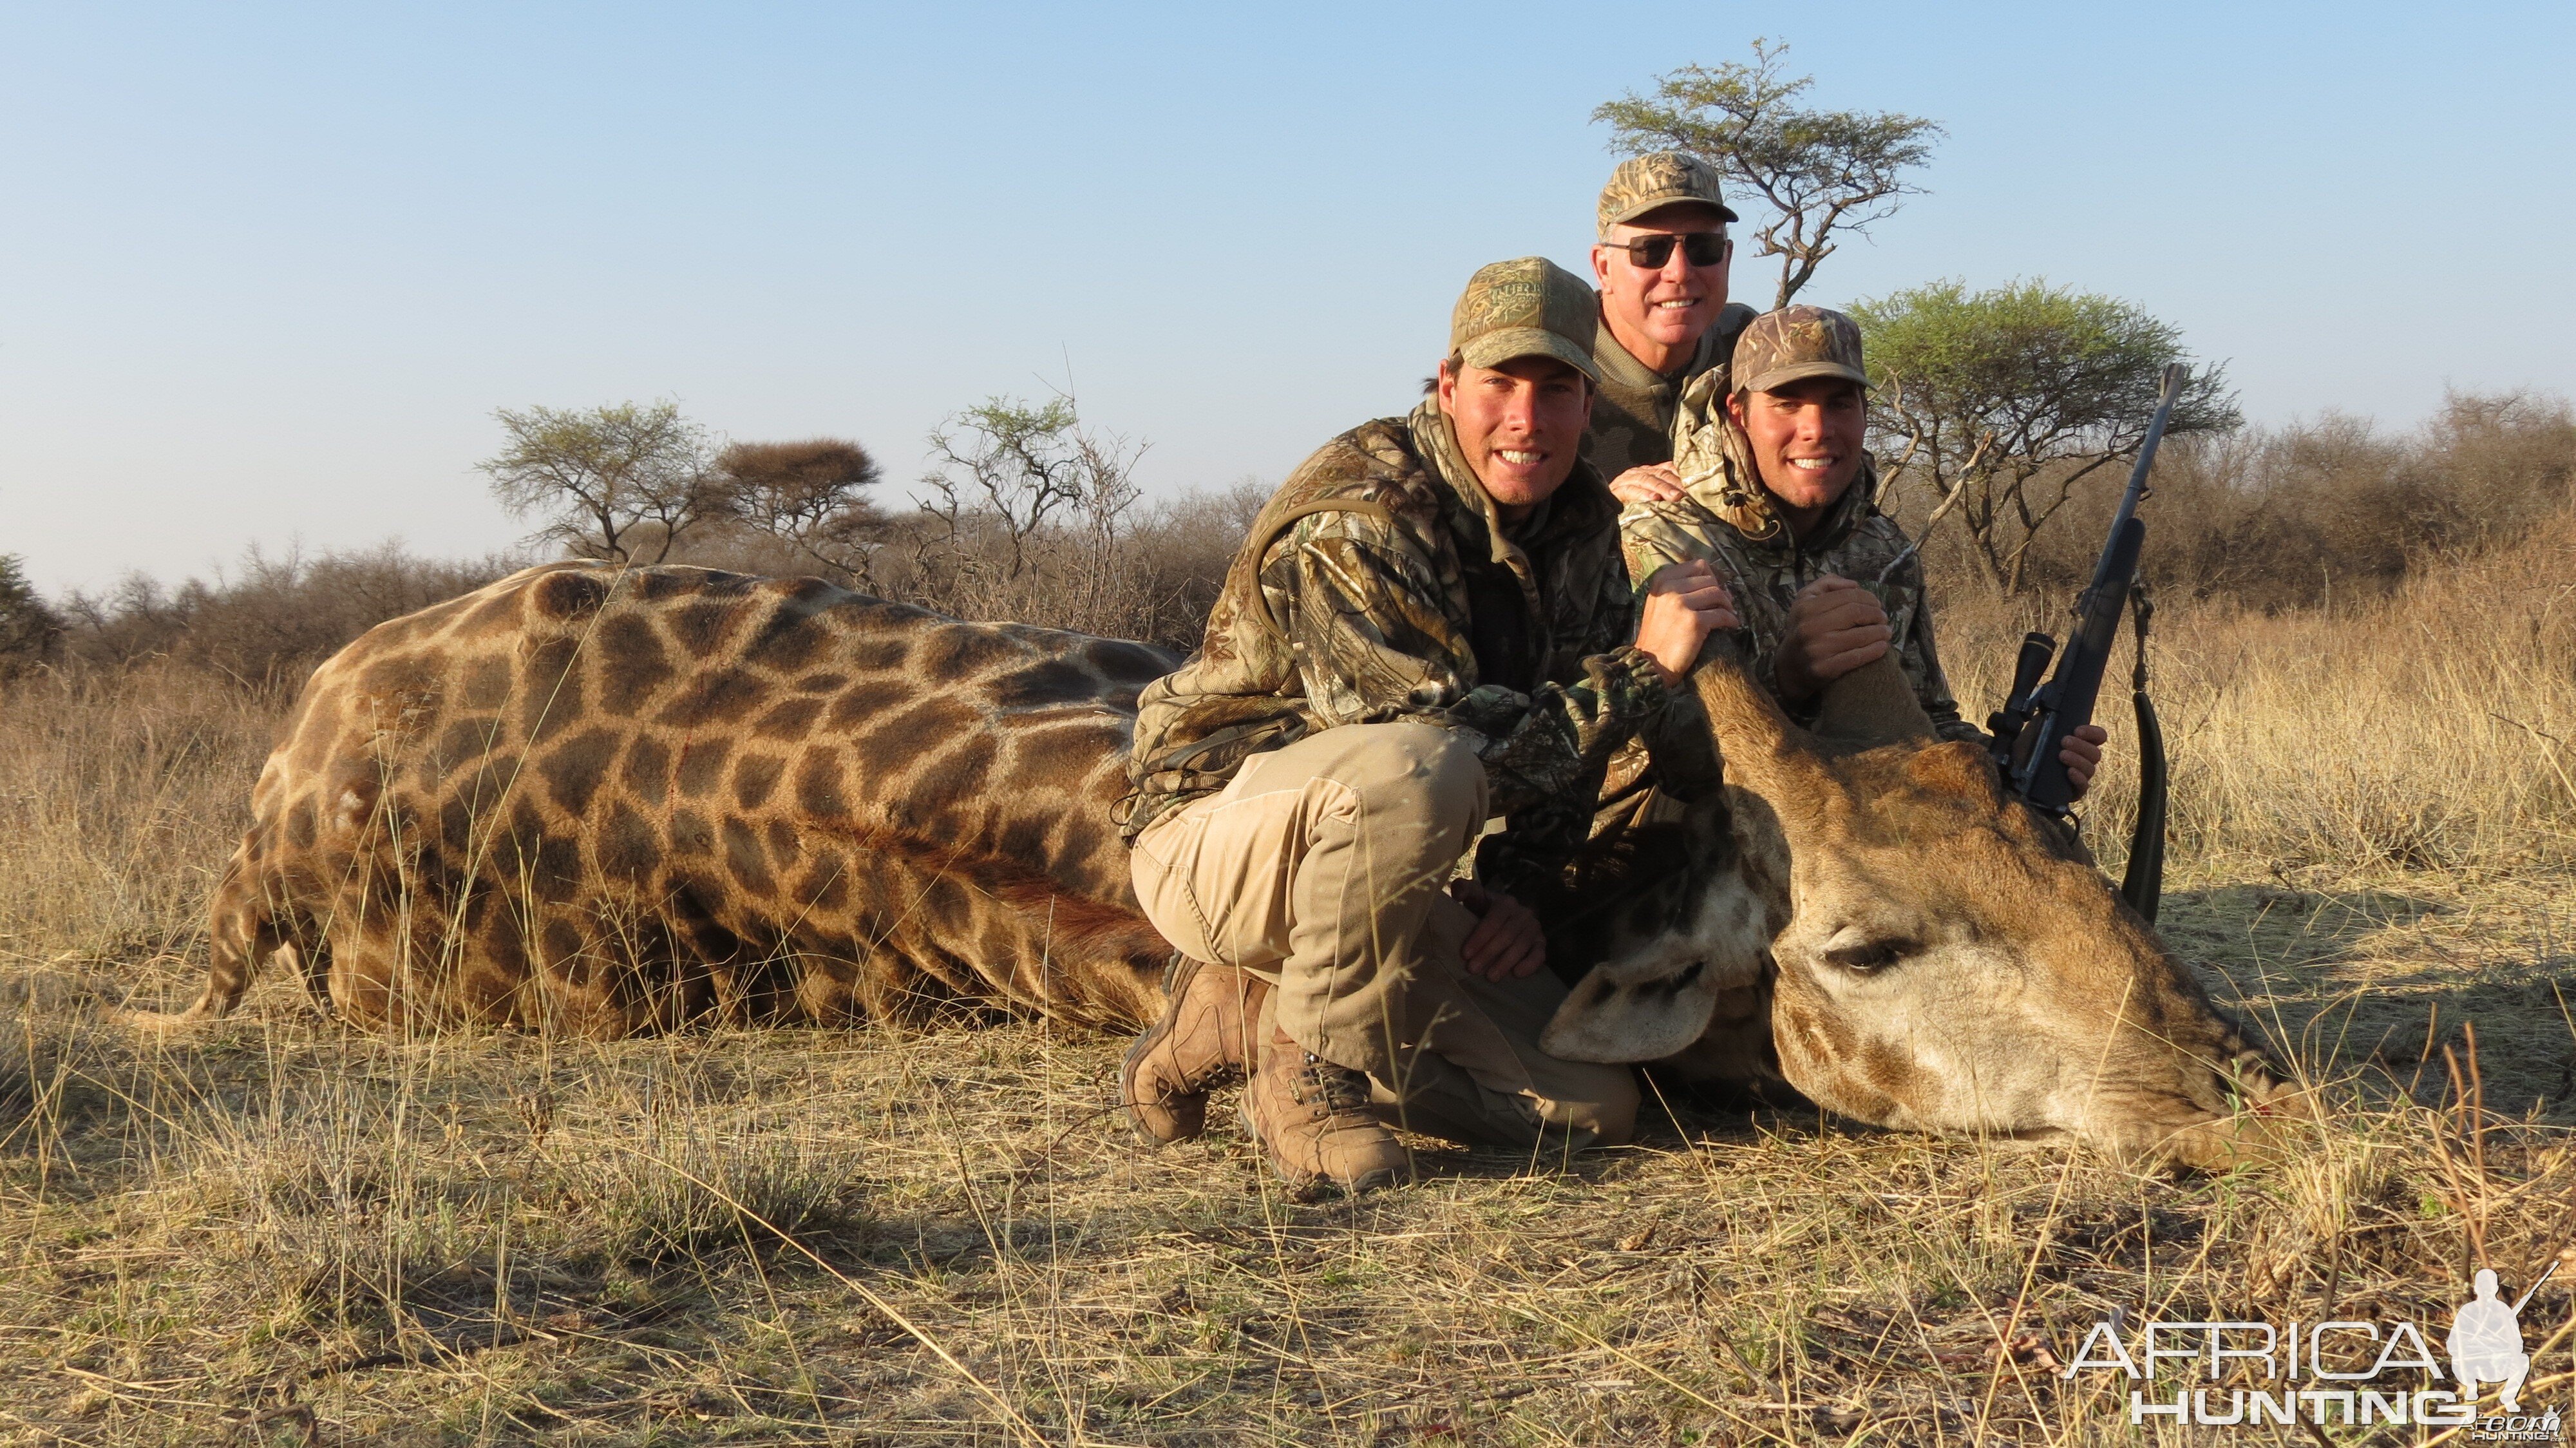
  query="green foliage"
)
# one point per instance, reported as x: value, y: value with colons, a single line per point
x: 620, y: 482
x: 1821, y: 172
x: 28, y: 626
x: 2004, y: 401
x: 1015, y: 467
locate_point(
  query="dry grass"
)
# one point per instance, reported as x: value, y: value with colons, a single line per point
x: 283, y: 1232
x: 2430, y: 729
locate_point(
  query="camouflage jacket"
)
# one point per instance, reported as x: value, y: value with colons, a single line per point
x: 1632, y: 414
x: 1378, y: 585
x: 1727, y: 518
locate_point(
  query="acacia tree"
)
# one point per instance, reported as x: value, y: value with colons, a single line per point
x: 614, y: 482
x: 2003, y: 403
x: 1027, y: 517
x: 1018, y: 466
x: 1821, y: 172
x: 813, y: 494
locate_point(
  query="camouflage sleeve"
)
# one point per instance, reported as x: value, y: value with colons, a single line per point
x: 1544, y: 836
x: 1649, y: 538
x: 1373, y: 644
x: 1922, y: 661
x: 1677, y: 740
x: 1652, y: 535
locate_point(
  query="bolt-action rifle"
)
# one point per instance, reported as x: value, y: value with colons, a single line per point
x: 2033, y: 724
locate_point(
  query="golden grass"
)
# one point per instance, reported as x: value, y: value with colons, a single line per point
x: 2435, y: 729
x: 284, y: 1232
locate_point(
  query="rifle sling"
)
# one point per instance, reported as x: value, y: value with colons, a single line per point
x: 2143, y: 884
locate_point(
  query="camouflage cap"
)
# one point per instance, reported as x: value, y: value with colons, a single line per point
x: 1526, y: 307
x: 1795, y: 343
x: 1665, y: 178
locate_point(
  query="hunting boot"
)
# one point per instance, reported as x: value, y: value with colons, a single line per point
x: 1313, y: 1118
x: 1203, y: 1041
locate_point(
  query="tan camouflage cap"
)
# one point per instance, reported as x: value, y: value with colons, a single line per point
x: 1795, y: 343
x: 1665, y: 178
x: 1526, y: 307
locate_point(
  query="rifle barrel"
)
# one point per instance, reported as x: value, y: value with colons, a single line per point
x: 2065, y: 704
x: 2168, y: 393
x: 2536, y: 1286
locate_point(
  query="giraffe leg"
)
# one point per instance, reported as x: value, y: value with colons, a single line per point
x: 244, y: 931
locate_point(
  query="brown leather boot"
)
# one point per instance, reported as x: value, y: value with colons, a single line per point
x: 1201, y: 1042
x: 1313, y: 1118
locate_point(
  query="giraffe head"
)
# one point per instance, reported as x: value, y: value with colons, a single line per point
x: 1920, y: 950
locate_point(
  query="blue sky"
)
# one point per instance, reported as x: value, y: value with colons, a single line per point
x: 265, y: 271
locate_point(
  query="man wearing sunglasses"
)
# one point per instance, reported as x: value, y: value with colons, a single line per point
x: 1429, y: 629
x: 1661, y: 265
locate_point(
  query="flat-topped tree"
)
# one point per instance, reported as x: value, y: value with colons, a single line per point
x: 1822, y: 173
x: 622, y: 482
x: 2014, y: 397
x: 813, y: 494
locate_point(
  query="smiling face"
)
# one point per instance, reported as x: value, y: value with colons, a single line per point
x: 1658, y: 313
x: 1518, y: 425
x: 1806, y: 438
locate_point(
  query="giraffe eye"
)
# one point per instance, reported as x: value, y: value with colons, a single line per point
x: 1870, y: 954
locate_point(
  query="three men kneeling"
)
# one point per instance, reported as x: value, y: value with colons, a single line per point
x: 1434, y: 625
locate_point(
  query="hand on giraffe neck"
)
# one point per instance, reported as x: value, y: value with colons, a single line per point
x: 1870, y: 706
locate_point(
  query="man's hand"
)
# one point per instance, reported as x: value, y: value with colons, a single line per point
x: 1684, y: 605
x: 2082, y: 756
x: 1835, y: 626
x: 1506, y: 943
x: 1653, y: 483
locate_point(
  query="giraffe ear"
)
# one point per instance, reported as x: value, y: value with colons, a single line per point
x: 1657, y: 999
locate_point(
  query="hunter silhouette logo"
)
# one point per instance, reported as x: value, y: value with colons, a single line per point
x: 2486, y: 1341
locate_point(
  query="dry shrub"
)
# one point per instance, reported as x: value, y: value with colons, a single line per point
x: 690, y: 1191
x: 349, y: 1202
x: 267, y: 625
x: 1150, y: 573
x: 349, y: 1215
x: 1152, y: 576
x: 2327, y: 510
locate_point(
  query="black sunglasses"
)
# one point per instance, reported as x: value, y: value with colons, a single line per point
x: 1699, y: 248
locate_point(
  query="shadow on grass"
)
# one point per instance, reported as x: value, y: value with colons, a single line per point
x: 2378, y: 982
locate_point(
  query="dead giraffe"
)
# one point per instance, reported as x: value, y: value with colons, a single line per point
x: 1864, y: 913
x: 619, y: 800
x: 611, y: 801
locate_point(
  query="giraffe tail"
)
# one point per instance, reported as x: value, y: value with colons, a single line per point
x: 244, y: 931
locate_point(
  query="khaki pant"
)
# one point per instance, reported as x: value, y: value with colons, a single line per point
x: 1323, y: 869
